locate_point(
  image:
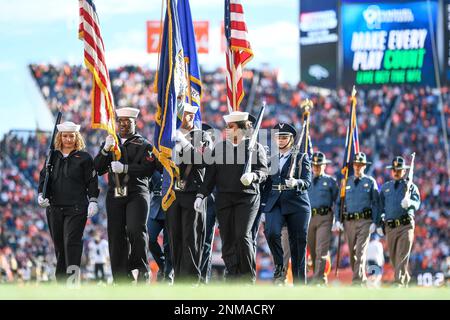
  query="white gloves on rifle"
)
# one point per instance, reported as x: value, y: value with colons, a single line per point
x: 92, y: 209
x: 406, y: 203
x: 109, y: 143
x: 337, y: 226
x: 380, y: 231
x: 117, y: 166
x: 291, y: 182
x: 199, y: 204
x: 43, y: 203
x: 372, y: 228
x: 248, y: 178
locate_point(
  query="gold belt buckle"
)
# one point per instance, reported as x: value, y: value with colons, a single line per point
x: 180, y: 185
x: 120, y: 192
x: 397, y: 223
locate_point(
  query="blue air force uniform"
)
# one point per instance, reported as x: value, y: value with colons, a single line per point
x: 288, y: 206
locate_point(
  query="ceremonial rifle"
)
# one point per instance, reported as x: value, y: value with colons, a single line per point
x: 50, y: 152
x: 254, y: 139
x: 410, y: 177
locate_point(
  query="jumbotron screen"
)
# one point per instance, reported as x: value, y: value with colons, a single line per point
x: 388, y: 42
x: 318, y: 42
x: 447, y: 39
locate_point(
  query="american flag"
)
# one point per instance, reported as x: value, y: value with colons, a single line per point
x: 103, y: 110
x: 238, y: 52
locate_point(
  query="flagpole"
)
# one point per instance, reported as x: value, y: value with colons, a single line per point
x: 352, y: 123
x: 233, y: 80
x: 344, y: 180
x: 161, y: 25
x: 188, y: 79
x: 306, y: 118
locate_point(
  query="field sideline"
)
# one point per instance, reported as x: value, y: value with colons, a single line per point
x: 216, y: 292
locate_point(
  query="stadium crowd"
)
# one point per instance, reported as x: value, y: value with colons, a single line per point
x: 392, y: 121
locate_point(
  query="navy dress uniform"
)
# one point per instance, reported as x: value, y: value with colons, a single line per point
x: 237, y: 198
x: 186, y: 226
x: 206, y: 263
x: 399, y: 219
x: 360, y: 217
x: 156, y: 224
x: 287, y: 204
x: 128, y: 212
x: 322, y: 195
x: 72, y: 193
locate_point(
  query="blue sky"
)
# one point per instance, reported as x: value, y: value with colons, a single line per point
x: 46, y: 31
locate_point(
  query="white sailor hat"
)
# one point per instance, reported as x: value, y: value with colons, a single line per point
x: 187, y: 107
x: 236, y: 116
x: 127, y: 112
x: 68, y: 126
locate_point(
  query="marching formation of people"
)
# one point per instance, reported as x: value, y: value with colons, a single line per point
x: 286, y: 189
x: 305, y: 203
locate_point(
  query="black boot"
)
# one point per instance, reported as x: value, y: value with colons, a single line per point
x: 144, y: 277
x: 279, y: 275
x: 160, y: 275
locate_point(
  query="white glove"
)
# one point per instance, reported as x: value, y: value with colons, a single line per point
x: 291, y: 182
x: 181, y: 138
x: 372, y: 228
x: 117, y: 166
x: 380, y: 231
x: 247, y: 178
x: 406, y: 203
x: 44, y: 203
x: 337, y: 226
x: 92, y: 209
x: 198, y: 204
x: 109, y: 143
x: 263, y: 218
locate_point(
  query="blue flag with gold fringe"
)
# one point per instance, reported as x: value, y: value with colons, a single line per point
x: 194, y: 83
x: 171, y: 85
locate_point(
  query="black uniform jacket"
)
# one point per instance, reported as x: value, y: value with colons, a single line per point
x: 226, y: 171
x: 139, y: 161
x: 73, y: 180
x: 194, y: 154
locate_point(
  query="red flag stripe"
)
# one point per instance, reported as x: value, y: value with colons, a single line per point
x: 239, y: 52
x: 237, y: 8
x: 238, y: 25
x: 88, y: 19
x: 94, y: 54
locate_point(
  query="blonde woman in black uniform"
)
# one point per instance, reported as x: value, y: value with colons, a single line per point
x: 72, y: 197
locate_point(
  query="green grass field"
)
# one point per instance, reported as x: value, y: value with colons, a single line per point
x: 216, y: 292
